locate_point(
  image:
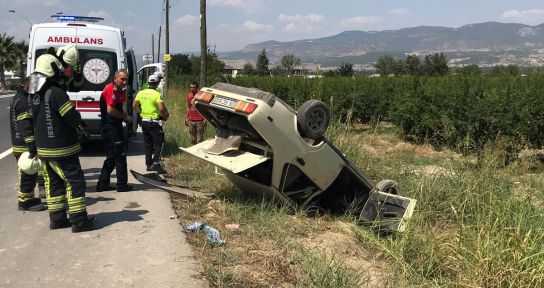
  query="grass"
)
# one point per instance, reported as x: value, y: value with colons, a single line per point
x: 477, y: 223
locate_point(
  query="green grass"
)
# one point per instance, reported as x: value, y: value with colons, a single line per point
x: 477, y: 222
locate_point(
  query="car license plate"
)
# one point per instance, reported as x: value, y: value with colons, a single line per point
x: 224, y: 101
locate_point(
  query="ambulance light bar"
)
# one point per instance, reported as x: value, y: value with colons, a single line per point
x: 66, y: 18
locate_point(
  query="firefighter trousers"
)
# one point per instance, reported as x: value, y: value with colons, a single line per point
x: 153, y: 139
x: 65, y: 189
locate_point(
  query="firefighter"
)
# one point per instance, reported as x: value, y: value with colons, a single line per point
x: 149, y: 104
x: 56, y: 124
x: 22, y: 139
x: 112, y: 117
x: 69, y: 54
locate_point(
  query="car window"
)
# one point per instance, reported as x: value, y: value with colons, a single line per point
x: 144, y: 74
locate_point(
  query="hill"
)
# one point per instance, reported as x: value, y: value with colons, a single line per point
x: 487, y: 43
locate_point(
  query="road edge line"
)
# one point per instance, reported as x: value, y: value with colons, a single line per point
x: 5, y: 153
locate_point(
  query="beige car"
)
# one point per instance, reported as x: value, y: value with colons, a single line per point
x: 264, y: 146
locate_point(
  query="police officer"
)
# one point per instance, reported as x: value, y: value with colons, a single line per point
x: 22, y: 139
x: 112, y: 117
x: 149, y: 104
x: 56, y: 124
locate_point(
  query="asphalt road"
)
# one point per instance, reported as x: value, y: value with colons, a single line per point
x: 5, y: 138
x: 136, y: 243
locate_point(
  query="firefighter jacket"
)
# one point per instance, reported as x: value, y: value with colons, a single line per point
x: 56, y: 123
x: 20, y: 121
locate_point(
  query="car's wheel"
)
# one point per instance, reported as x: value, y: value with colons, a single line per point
x: 313, y: 119
x: 388, y: 186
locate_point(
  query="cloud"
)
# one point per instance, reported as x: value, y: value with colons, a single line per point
x: 108, y: 19
x: 33, y: 3
x: 247, y: 5
x: 531, y: 17
x: 362, y: 22
x: 300, y: 23
x: 310, y: 18
x: 253, y: 26
x: 186, y: 21
x: 398, y: 12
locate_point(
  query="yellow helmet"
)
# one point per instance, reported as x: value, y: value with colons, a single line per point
x: 45, y: 65
x: 28, y: 165
x: 69, y: 54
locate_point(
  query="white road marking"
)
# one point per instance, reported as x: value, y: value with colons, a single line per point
x: 6, y: 96
x: 5, y: 153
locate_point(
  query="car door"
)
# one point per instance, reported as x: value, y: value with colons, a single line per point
x: 133, y: 85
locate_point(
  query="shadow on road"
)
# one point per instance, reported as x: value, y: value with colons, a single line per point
x: 95, y: 147
x: 93, y: 200
x: 105, y: 219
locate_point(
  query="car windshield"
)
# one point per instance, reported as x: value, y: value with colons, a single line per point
x: 98, y: 68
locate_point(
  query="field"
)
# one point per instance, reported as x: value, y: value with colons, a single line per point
x: 479, y: 221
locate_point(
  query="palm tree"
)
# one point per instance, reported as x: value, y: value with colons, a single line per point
x: 20, y: 51
x: 6, y: 57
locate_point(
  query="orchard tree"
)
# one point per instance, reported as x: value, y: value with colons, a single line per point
x: 413, y: 65
x: 248, y: 69
x: 385, y: 65
x: 399, y: 67
x: 262, y: 64
x: 181, y: 64
x: 278, y: 71
x: 288, y: 63
x: 346, y: 69
x: 470, y: 70
x: 435, y: 65
x: 500, y: 70
x: 215, y: 66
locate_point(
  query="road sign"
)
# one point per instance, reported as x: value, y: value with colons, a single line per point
x: 166, y: 57
x: 148, y: 57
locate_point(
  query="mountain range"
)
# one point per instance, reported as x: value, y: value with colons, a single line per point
x: 485, y: 44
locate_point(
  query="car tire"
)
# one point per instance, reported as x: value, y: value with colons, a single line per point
x: 388, y: 186
x: 313, y: 119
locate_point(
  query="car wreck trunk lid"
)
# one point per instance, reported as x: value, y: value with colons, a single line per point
x: 232, y: 160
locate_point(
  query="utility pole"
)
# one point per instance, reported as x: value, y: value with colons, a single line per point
x: 203, y: 45
x: 159, y: 46
x: 153, y: 47
x: 167, y: 48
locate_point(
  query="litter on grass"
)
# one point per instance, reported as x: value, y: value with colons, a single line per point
x: 213, y: 234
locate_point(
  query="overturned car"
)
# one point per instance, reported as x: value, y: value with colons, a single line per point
x: 264, y: 146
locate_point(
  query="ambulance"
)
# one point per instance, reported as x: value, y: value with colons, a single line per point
x: 102, y: 51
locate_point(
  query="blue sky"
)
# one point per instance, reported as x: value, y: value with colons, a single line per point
x: 232, y: 24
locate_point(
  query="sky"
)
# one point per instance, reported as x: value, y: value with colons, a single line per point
x: 233, y: 24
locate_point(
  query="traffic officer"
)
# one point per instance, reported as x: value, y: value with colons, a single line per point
x: 151, y: 107
x: 22, y: 140
x: 112, y: 117
x: 56, y: 124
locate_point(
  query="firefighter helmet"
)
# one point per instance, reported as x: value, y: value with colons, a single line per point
x: 29, y: 166
x: 48, y: 65
x: 69, y: 54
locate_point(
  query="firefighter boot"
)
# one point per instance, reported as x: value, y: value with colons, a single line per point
x: 86, y: 224
x: 34, y: 204
x: 64, y: 223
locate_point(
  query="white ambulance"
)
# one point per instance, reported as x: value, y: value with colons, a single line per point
x: 102, y: 51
